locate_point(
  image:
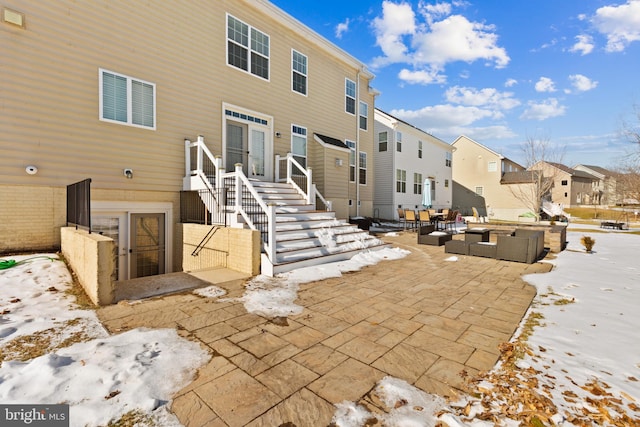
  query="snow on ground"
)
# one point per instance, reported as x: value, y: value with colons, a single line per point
x: 101, y: 377
x: 584, y: 357
x: 275, y: 296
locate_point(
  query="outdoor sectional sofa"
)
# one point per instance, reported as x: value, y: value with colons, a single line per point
x: 522, y: 245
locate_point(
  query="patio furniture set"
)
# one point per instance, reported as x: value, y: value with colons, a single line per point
x: 445, y: 220
x: 522, y: 245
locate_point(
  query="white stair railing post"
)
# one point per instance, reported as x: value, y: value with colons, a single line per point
x: 238, y: 201
x: 289, y: 166
x: 187, y: 157
x: 200, y: 153
x: 311, y: 198
x: 271, y: 232
x: 277, y: 169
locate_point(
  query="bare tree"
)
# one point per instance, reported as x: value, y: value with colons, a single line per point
x: 628, y: 179
x: 537, y: 182
x: 631, y: 130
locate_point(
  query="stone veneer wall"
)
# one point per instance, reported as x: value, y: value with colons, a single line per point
x: 234, y: 248
x: 91, y: 257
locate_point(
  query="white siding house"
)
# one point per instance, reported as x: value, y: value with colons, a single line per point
x: 405, y: 157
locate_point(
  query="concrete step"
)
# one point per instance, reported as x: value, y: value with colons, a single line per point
x: 291, y: 263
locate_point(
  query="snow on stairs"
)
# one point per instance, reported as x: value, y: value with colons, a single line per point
x: 306, y: 237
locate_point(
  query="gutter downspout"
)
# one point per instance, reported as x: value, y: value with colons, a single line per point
x: 358, y: 142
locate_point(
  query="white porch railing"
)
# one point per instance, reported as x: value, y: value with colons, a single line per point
x: 235, y: 196
x: 300, y: 178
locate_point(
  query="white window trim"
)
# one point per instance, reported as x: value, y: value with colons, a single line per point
x: 129, y: 121
x: 306, y: 144
x: 346, y: 95
x: 386, y: 141
x: 417, y: 183
x: 360, y: 115
x: 352, y: 150
x: 293, y: 71
x: 402, y: 179
x: 226, y: 48
x: 365, y: 168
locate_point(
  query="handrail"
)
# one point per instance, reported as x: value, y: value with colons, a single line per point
x: 311, y: 190
x: 247, y: 202
x: 327, y: 203
x: 242, y: 183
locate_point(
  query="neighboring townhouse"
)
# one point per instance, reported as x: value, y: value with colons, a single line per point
x: 604, y: 189
x: 110, y: 89
x: 409, y: 161
x: 487, y: 181
x: 570, y: 187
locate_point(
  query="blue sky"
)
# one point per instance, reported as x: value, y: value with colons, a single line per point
x: 500, y: 72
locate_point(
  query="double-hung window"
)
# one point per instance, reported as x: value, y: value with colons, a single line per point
x: 401, y: 181
x: 448, y: 159
x: 364, y: 115
x: 298, y: 72
x: 417, y: 183
x: 399, y: 142
x: 352, y: 160
x: 127, y: 100
x: 247, y: 48
x: 419, y: 149
x: 382, y: 141
x: 350, y: 96
x: 299, y: 144
x: 362, y: 168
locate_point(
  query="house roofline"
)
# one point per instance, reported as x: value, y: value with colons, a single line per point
x: 280, y: 15
x: 378, y: 110
x: 500, y: 156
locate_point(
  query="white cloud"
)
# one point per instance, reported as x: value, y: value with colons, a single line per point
x: 510, y: 83
x: 434, y: 11
x: 545, y: 84
x: 342, y: 28
x: 582, y: 83
x: 444, y: 115
x: 484, y: 97
x: 584, y: 45
x: 397, y: 21
x: 543, y: 110
x: 457, y: 39
x: 434, y: 42
x: 423, y: 77
x: 621, y: 24
x: 484, y: 133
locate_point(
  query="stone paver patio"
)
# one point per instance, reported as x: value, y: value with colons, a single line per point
x: 421, y: 319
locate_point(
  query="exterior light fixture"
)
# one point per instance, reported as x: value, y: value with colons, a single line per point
x: 31, y: 170
x: 13, y: 17
x: 128, y: 173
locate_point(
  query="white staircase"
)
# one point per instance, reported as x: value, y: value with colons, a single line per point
x: 305, y: 236
x: 294, y: 234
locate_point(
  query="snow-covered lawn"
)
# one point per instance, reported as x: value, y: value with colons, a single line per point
x: 54, y: 352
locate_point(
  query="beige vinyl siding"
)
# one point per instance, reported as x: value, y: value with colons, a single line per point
x: 52, y: 107
x: 55, y: 117
x: 49, y: 115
